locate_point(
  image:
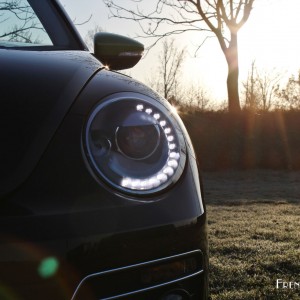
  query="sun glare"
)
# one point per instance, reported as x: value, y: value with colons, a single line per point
x: 270, y: 37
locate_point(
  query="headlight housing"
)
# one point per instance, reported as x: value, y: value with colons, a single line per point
x: 134, y: 143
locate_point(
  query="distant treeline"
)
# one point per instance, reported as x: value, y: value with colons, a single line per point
x: 269, y: 140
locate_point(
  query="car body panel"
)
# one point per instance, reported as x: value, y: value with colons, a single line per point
x: 63, y: 227
x: 37, y: 90
x: 82, y: 222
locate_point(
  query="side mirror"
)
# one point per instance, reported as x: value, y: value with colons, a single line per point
x: 116, y: 51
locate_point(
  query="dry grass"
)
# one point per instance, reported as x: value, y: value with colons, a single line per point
x: 254, y: 222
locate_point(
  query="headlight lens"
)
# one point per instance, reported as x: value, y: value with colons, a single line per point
x: 135, y: 144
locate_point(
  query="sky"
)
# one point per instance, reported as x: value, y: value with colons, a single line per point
x: 270, y: 37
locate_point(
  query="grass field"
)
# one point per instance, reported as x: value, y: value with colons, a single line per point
x: 254, y: 233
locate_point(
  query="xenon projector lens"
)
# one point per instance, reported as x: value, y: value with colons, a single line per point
x: 138, y: 142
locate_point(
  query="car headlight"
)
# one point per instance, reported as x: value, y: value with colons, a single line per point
x: 134, y: 143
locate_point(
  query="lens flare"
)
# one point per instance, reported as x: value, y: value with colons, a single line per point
x: 48, y: 267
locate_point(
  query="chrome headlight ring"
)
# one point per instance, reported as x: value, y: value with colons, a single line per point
x: 134, y: 143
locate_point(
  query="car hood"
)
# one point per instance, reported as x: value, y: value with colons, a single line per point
x: 37, y: 90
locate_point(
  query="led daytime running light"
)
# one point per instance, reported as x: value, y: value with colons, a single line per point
x: 134, y: 144
x: 167, y: 170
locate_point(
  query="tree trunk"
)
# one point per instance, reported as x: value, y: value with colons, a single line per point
x: 233, y: 75
x: 232, y: 90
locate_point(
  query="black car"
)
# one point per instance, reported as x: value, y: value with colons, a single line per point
x: 100, y: 195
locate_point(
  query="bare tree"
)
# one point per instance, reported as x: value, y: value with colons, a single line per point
x: 197, y: 98
x: 268, y: 84
x: 18, y: 22
x: 222, y: 18
x: 250, y: 89
x: 89, y: 38
x: 290, y: 94
x: 168, y: 80
x: 260, y: 88
x: 169, y: 71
